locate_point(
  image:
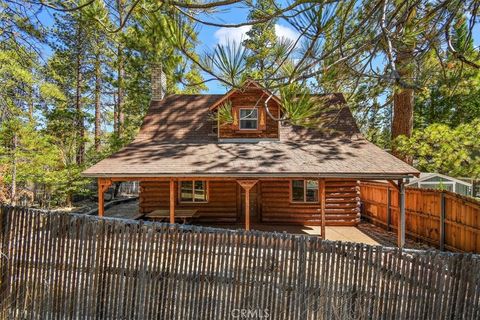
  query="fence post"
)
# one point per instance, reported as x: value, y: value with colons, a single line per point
x: 401, y: 214
x: 389, y: 209
x: 442, y: 221
x: 5, y: 214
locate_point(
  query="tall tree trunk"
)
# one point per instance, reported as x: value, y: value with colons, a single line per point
x: 78, y: 99
x: 120, y: 75
x: 98, y: 88
x: 115, y: 113
x: 120, y: 92
x: 31, y: 106
x: 13, y: 190
x: 403, y: 103
x: 402, y: 123
x: 69, y: 200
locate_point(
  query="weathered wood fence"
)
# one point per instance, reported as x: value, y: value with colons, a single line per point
x: 61, y: 266
x: 441, y: 218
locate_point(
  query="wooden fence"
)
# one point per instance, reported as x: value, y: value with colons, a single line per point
x: 441, y: 218
x: 59, y: 266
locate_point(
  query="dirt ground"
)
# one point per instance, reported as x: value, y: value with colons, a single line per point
x: 389, y: 239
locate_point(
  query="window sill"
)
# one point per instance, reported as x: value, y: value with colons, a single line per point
x: 192, y: 202
x: 305, y: 202
x: 248, y: 131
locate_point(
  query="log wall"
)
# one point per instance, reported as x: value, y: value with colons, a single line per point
x: 222, y: 205
x: 342, y: 204
x: 274, y: 206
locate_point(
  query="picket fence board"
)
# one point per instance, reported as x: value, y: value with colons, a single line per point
x: 66, y: 266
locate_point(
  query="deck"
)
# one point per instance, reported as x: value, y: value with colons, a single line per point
x: 364, y: 233
x: 348, y: 234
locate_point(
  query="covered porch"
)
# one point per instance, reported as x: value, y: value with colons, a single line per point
x: 258, y: 204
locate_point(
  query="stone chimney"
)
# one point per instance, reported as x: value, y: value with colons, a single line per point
x: 159, y: 82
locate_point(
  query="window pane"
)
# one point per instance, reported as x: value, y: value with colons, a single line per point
x: 248, y: 114
x: 200, y: 191
x: 312, y: 191
x: 297, y: 190
x: 248, y: 118
x: 186, y: 190
x: 248, y: 124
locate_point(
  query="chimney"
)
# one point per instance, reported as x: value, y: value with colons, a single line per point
x: 159, y: 82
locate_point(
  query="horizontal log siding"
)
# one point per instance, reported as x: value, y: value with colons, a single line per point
x: 342, y: 204
x: 222, y: 204
x: 249, y: 98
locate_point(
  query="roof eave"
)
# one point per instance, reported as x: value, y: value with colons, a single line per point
x: 359, y: 176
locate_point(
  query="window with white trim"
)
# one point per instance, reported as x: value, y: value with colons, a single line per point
x: 248, y: 118
x: 304, y: 191
x: 193, y: 191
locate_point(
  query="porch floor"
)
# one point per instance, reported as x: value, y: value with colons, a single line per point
x: 364, y: 233
x: 349, y: 234
x: 129, y: 210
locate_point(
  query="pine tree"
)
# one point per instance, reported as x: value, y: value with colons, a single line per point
x: 17, y: 81
x: 261, y: 41
x: 70, y: 69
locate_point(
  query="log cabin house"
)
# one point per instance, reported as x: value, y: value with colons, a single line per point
x: 252, y: 170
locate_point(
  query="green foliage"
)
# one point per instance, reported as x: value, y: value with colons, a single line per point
x: 451, y: 94
x: 49, y: 107
x: 38, y: 161
x: 147, y: 41
x: 229, y: 61
x: 224, y: 113
x: 261, y: 41
x: 440, y: 148
x: 298, y: 105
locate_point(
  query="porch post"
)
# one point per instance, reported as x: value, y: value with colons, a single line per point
x: 103, y: 185
x: 401, y: 216
x: 323, y: 199
x: 247, y: 209
x: 172, y: 201
x: 247, y: 185
x: 400, y: 187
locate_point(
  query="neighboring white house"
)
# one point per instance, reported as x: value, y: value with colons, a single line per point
x: 442, y: 182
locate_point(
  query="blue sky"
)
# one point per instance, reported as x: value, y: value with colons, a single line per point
x: 209, y: 36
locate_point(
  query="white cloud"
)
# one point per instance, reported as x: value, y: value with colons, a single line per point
x: 285, y: 32
x: 224, y: 35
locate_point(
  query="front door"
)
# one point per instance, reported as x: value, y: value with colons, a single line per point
x: 253, y: 204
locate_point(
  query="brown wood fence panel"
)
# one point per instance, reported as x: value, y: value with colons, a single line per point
x: 62, y: 266
x: 460, y: 222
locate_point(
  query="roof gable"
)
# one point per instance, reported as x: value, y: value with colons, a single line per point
x: 426, y: 176
x: 247, y: 84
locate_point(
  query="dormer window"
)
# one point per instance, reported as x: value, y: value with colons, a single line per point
x: 248, y: 118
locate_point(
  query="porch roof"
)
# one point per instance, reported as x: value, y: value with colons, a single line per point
x: 355, y: 158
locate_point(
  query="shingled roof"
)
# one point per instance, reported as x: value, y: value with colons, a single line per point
x: 175, y: 140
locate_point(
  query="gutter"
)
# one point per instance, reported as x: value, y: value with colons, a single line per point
x: 271, y: 176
